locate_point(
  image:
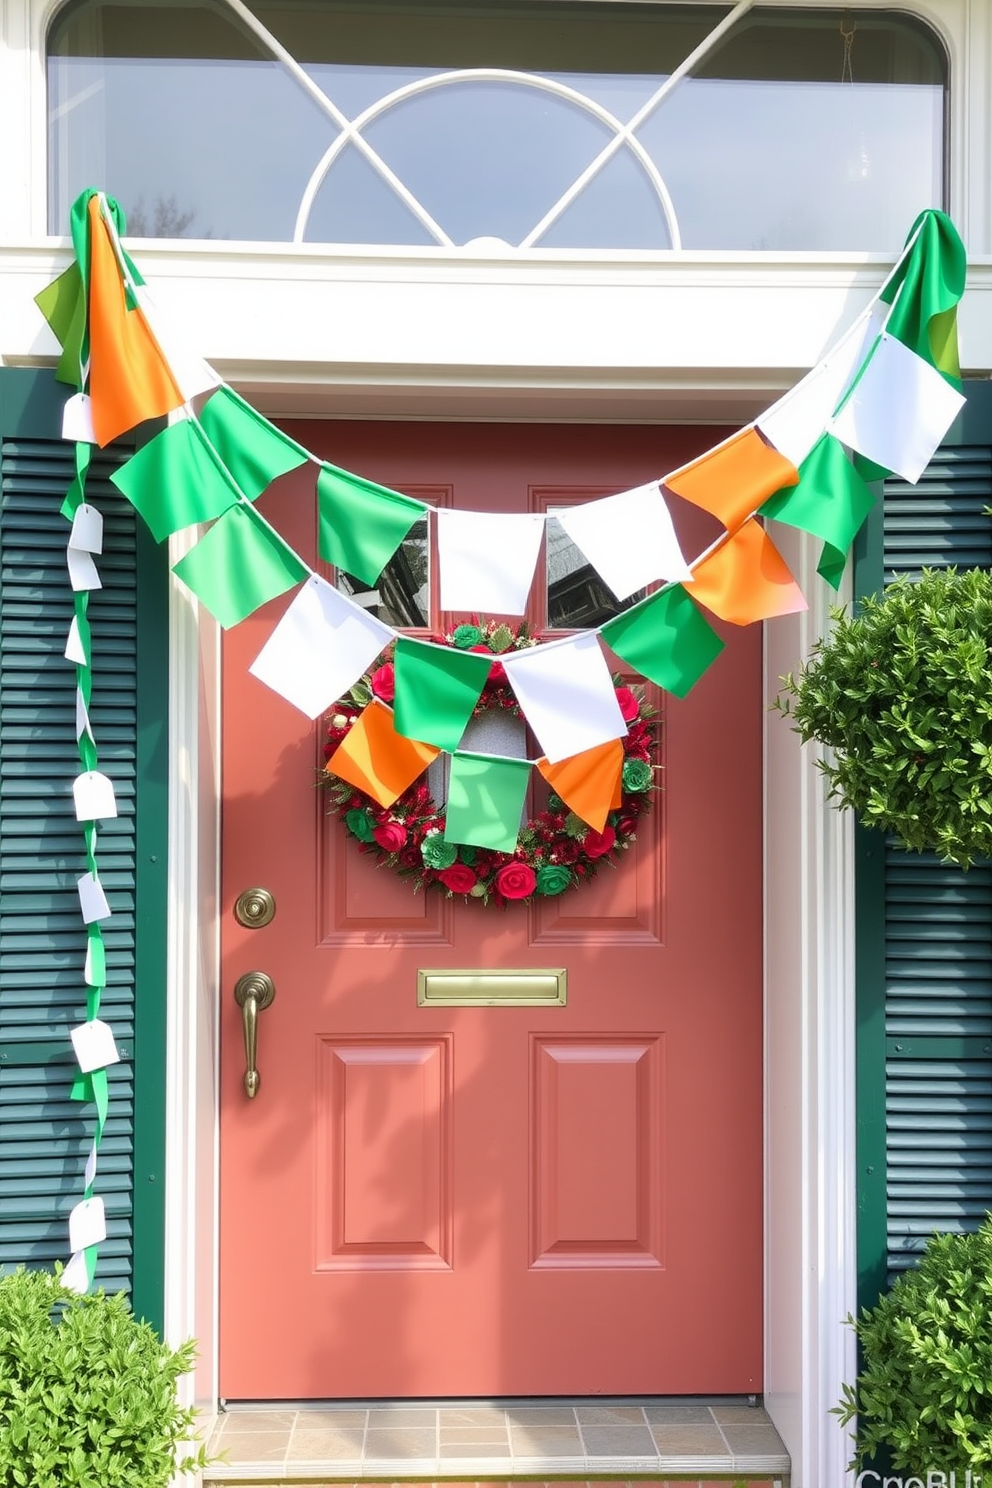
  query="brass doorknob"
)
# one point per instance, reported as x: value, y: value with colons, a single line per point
x: 253, y: 992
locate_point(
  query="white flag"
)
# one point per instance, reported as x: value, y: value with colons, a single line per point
x: 629, y: 539
x: 899, y: 411
x: 320, y: 647
x: 487, y: 559
x: 796, y: 421
x: 567, y: 694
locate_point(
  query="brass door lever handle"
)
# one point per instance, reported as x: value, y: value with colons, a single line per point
x: 253, y: 992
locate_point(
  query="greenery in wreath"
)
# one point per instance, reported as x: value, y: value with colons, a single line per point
x: 902, y: 695
x: 556, y: 850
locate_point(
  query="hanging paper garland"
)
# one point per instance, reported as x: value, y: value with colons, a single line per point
x: 557, y: 849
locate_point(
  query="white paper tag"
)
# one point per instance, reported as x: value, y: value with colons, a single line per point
x: 74, y: 646
x: 87, y: 1223
x: 92, y: 900
x: 77, y: 420
x: 94, y: 1045
x: 82, y: 716
x: 94, y: 796
x: 87, y: 529
x: 82, y: 570
x: 74, y: 1277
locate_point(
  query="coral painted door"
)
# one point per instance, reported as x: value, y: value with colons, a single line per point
x: 494, y: 1200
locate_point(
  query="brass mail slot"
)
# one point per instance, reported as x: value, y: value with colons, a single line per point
x: 506, y: 988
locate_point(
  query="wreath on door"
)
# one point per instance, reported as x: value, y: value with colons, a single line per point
x: 556, y: 850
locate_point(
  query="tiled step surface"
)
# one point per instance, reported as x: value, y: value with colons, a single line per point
x: 464, y: 1443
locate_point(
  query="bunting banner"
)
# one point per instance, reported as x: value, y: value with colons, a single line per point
x: 880, y: 401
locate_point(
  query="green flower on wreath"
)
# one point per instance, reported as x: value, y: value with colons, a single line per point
x: 359, y: 824
x: 552, y: 878
x: 437, y: 853
x: 467, y: 855
x: 637, y: 775
x: 466, y: 636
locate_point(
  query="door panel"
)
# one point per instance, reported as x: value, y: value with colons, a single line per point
x: 456, y: 1201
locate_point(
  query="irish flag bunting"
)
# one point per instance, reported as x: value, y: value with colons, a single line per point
x: 880, y: 401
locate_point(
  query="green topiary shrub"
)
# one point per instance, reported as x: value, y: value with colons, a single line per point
x: 87, y: 1393
x: 925, y: 1387
x: 902, y: 694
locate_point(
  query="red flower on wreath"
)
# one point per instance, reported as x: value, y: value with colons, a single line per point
x: 629, y: 706
x: 383, y: 682
x: 597, y: 844
x: 391, y: 836
x: 516, y: 881
x: 459, y: 878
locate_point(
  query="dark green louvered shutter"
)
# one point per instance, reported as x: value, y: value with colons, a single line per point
x: 925, y: 938
x: 45, y: 1137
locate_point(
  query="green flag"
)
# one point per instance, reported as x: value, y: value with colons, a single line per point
x: 361, y: 524
x: 666, y: 638
x: 925, y: 290
x: 831, y: 501
x: 254, y: 451
x: 239, y: 564
x: 437, y: 689
x: 486, y: 801
x: 63, y: 304
x: 174, y: 481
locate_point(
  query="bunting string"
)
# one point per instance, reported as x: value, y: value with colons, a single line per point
x: 879, y: 402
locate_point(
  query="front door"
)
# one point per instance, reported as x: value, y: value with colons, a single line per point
x: 452, y: 1201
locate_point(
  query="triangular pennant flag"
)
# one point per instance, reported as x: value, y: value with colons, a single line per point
x: 567, y: 695
x: 733, y: 480
x: 629, y: 539
x: 130, y: 380
x: 375, y: 759
x: 487, y: 559
x: 63, y: 304
x: 360, y: 524
x: 238, y: 565
x: 254, y: 451
x: 797, y: 420
x: 173, y: 481
x: 320, y: 647
x: 589, y: 783
x: 665, y: 638
x: 831, y: 501
x: 746, y: 579
x: 898, y: 411
x: 191, y: 373
x: 437, y: 689
x: 486, y: 801
x: 925, y: 290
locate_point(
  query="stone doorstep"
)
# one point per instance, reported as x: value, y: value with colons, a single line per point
x: 562, y: 1444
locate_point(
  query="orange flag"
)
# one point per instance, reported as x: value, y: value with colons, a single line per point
x: 746, y: 579
x: 375, y: 759
x: 733, y: 480
x: 130, y: 380
x: 589, y: 783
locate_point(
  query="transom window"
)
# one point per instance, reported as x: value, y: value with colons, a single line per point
x: 535, y: 123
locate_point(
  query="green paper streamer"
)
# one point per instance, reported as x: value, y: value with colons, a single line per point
x: 360, y: 524
x: 831, y: 501
x: 253, y: 450
x: 869, y: 470
x: 239, y: 564
x: 74, y: 495
x: 175, y: 482
x: 666, y: 638
x: 486, y: 801
x: 925, y: 290
x: 97, y: 954
x: 436, y: 691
